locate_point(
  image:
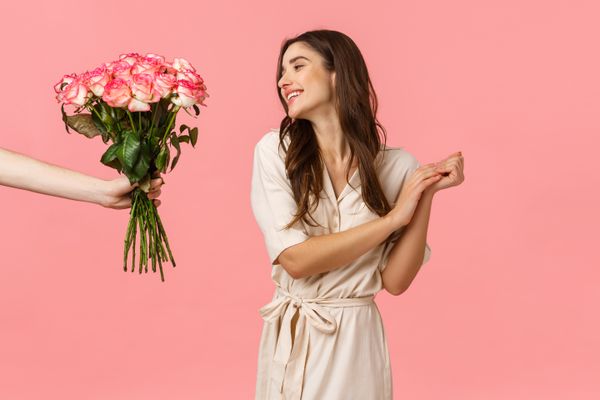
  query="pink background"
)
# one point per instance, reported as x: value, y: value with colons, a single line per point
x: 507, y: 307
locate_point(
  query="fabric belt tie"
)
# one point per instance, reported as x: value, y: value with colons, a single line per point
x: 290, y: 360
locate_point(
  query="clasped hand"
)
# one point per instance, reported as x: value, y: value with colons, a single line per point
x: 427, y: 179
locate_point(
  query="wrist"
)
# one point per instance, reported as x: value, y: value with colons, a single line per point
x: 427, y: 194
x: 102, y: 193
x: 394, y: 221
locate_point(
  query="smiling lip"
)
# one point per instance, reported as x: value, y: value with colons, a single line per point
x: 293, y: 99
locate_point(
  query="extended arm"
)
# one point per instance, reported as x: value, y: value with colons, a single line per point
x: 22, y: 172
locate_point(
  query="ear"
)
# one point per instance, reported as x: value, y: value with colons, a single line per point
x: 332, y: 80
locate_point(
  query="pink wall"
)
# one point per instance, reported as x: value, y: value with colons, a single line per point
x: 507, y: 307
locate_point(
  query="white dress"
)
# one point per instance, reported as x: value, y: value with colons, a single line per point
x: 338, y: 350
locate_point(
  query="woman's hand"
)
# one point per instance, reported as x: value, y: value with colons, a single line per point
x: 451, y: 169
x: 422, y: 178
x: 118, y: 190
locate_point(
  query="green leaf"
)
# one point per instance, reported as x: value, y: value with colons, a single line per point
x: 105, y: 113
x: 84, y: 124
x: 162, y: 160
x: 109, y: 158
x: 174, y: 163
x: 130, y: 150
x: 194, y: 136
x: 175, y: 143
x: 184, y: 138
x: 103, y: 129
x: 111, y: 153
x: 143, y: 164
x: 183, y: 127
x: 196, y: 109
x: 98, y: 124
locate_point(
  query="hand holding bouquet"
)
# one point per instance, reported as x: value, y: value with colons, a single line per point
x: 133, y: 103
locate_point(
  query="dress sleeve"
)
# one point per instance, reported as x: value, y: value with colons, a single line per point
x: 410, y: 165
x: 273, y: 202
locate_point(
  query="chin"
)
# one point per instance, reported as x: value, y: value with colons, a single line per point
x: 294, y: 116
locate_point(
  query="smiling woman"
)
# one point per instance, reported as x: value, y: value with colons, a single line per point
x: 325, y: 194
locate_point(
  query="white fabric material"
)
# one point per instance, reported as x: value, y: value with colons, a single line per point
x: 338, y: 350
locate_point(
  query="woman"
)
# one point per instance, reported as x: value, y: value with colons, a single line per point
x: 343, y: 217
x: 23, y: 172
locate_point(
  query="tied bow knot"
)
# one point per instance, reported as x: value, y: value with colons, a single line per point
x: 289, y: 360
x: 297, y: 302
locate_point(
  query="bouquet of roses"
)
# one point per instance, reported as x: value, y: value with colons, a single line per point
x: 133, y: 102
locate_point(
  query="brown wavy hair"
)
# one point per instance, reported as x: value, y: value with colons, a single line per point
x: 356, y: 106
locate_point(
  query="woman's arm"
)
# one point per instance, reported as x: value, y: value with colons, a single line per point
x: 324, y: 253
x: 327, y: 252
x: 406, y: 257
x: 407, y: 253
x: 22, y: 172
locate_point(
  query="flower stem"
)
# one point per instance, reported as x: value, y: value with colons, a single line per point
x: 152, y: 235
x: 131, y: 120
x: 167, y: 131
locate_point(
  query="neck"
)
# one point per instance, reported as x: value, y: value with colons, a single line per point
x: 331, y: 140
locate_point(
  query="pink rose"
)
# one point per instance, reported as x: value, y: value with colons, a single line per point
x: 130, y: 58
x: 137, y: 105
x: 66, y: 80
x: 188, y: 94
x: 181, y: 64
x: 142, y: 90
x: 160, y: 59
x: 189, y: 75
x: 164, y: 84
x: 75, y: 92
x: 120, y: 69
x: 146, y: 66
x: 117, y: 93
x: 168, y: 68
x: 97, y: 79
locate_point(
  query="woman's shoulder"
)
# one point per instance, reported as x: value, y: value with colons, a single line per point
x: 396, y: 157
x: 268, y: 145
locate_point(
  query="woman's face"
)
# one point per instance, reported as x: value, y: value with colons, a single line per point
x: 303, y: 72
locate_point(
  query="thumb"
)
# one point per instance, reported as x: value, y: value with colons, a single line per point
x: 124, y: 180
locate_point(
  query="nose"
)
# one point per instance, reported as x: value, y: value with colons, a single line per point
x: 283, y: 81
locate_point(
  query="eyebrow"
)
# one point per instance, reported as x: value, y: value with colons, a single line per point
x: 294, y: 59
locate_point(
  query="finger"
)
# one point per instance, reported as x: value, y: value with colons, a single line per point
x: 426, y: 168
x: 156, y: 183
x: 429, y: 181
x: 443, y: 166
x: 448, y: 164
x: 452, y: 166
x: 123, y: 182
x: 424, y: 172
x: 154, y: 194
x: 156, y: 203
x: 124, y: 202
x: 446, y: 168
